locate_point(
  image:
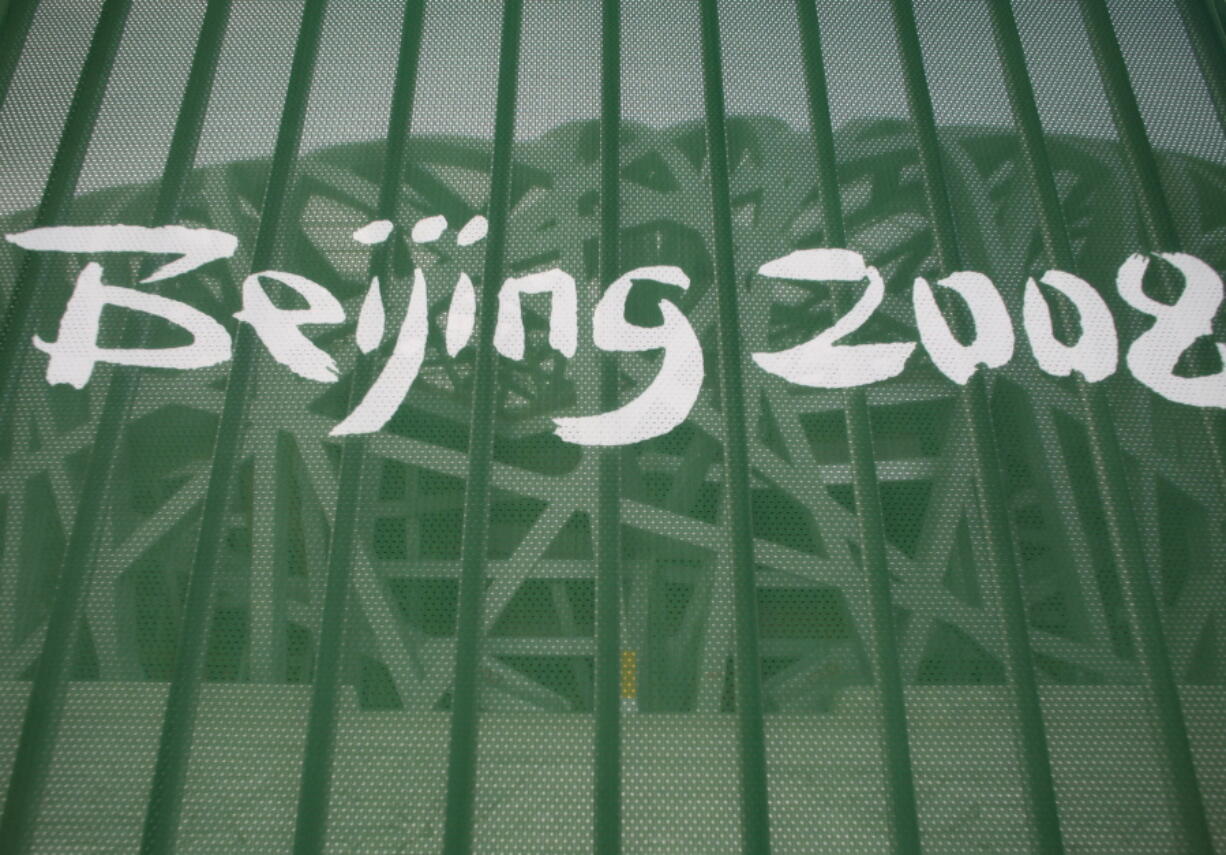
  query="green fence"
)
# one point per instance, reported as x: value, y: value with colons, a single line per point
x: 347, y: 583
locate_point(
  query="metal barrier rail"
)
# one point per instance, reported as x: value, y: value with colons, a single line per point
x: 44, y: 710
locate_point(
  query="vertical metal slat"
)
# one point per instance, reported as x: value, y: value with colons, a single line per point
x: 1143, y: 164
x: 462, y: 749
x: 899, y: 776
x: 608, y: 789
x: 1108, y: 460
x: 170, y: 769
x: 14, y: 27
x: 19, y: 317
x: 45, y: 703
x: 998, y: 539
x: 1138, y: 152
x: 755, y: 815
x: 45, y: 706
x: 315, y: 788
x: 1209, y: 48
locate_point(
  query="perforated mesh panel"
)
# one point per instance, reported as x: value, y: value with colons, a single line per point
x: 916, y: 612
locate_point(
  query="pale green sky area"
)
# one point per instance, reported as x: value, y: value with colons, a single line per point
x: 560, y: 68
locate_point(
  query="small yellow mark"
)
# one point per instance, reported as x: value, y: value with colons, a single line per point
x: 629, y: 674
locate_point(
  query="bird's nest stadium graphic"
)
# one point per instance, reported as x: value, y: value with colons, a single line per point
x: 538, y: 638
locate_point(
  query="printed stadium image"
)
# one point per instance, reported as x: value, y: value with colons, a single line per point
x: 613, y: 426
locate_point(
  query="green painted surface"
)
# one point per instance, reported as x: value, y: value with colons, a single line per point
x: 1017, y: 644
